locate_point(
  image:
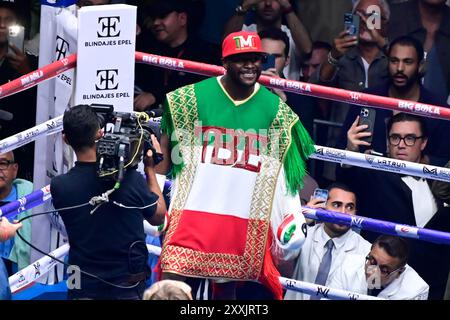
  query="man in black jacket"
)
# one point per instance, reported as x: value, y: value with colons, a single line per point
x: 107, y: 243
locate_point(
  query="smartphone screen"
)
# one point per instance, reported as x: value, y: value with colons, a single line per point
x: 269, y: 63
x: 321, y: 194
x: 16, y: 36
x: 367, y: 116
x: 351, y: 24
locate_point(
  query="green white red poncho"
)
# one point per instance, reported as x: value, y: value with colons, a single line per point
x: 236, y: 164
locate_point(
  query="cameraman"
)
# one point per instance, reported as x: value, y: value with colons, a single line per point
x: 110, y: 242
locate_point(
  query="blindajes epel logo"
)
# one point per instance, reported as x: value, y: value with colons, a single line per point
x: 109, y: 26
x: 107, y: 79
x: 62, y: 48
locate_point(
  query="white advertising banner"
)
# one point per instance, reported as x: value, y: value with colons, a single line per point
x: 57, y: 41
x: 105, y: 60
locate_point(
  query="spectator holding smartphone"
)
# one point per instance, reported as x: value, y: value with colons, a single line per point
x: 270, y: 14
x: 406, y: 69
x: 275, y: 43
x: 327, y: 244
x: 355, y: 63
x: 18, y: 60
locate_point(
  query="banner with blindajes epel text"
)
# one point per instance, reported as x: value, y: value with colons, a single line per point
x: 106, y: 54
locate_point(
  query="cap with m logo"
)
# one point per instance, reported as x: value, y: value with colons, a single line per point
x: 241, y: 42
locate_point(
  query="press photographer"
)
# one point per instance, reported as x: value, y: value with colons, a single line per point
x: 104, y: 225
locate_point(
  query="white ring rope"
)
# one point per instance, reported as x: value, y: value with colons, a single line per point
x: 313, y: 289
x: 27, y: 276
x: 22, y: 138
x: 381, y: 163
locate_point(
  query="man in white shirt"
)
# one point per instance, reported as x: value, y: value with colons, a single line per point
x: 384, y: 272
x: 327, y: 245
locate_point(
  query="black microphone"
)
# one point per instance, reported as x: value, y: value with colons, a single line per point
x: 6, y: 116
x: 155, y: 113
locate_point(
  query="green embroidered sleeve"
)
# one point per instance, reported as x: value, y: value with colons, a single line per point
x: 294, y: 162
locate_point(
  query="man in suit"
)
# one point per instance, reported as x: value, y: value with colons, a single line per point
x: 403, y: 199
x: 327, y: 242
x: 383, y: 273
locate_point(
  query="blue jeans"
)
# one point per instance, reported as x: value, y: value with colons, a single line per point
x: 5, y: 292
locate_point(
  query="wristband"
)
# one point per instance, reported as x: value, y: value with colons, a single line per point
x: 333, y: 61
x: 292, y: 231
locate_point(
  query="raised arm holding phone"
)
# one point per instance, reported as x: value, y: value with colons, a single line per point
x: 269, y: 14
x: 358, y: 33
x: 12, y: 36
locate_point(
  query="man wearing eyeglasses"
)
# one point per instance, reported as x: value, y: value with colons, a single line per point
x: 404, y: 199
x: 13, y: 251
x: 383, y: 273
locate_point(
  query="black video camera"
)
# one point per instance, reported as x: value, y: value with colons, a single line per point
x: 126, y: 140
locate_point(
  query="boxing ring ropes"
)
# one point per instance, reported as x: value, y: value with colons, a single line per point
x: 27, y: 276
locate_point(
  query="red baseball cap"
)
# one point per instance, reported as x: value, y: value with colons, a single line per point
x: 241, y: 42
